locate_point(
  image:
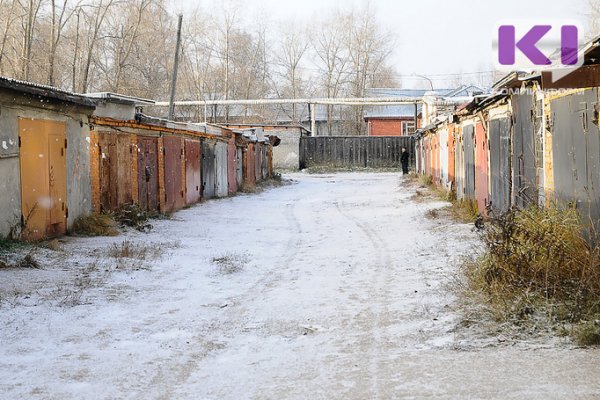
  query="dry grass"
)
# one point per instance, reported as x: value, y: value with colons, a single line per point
x: 27, y: 261
x: 135, y: 251
x: 464, y: 211
x: 95, y: 225
x: 538, y: 263
x: 276, y: 180
x: 411, y: 177
x: 432, y: 214
x: 230, y: 263
x: 588, y: 333
x: 426, y: 180
x: 131, y: 215
x: 249, y: 188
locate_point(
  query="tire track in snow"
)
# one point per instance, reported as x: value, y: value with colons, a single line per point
x: 273, y: 275
x: 180, y: 370
x: 371, y: 341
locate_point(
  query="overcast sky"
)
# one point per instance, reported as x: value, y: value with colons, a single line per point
x: 434, y: 38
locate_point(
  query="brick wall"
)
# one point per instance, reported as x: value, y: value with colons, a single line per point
x: 385, y: 127
x: 95, y: 170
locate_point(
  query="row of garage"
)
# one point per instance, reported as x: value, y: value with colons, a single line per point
x: 64, y: 155
x: 527, y: 144
x: 167, y: 170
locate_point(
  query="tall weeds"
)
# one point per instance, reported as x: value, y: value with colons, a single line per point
x: 538, y: 260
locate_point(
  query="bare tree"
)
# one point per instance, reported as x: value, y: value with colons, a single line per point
x: 227, y: 29
x: 7, y: 13
x: 75, y: 51
x: 95, y: 21
x: 593, y: 17
x: 369, y: 49
x: 293, y: 45
x: 118, y: 45
x: 29, y: 23
x: 331, y: 49
x: 125, y: 24
x: 60, y: 16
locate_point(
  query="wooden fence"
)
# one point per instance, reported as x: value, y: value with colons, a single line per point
x: 355, y: 151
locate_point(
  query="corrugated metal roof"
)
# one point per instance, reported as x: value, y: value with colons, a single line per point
x: 396, y: 110
x: 45, y: 91
x: 198, y: 127
x: 392, y: 111
x: 119, y: 98
x: 408, y: 110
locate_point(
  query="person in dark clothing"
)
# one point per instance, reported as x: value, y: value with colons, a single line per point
x: 404, y: 161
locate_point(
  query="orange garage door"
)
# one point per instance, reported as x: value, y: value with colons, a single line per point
x: 43, y: 178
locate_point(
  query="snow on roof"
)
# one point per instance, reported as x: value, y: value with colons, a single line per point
x: 393, y: 110
x: 408, y: 110
x: 119, y: 98
x: 45, y: 91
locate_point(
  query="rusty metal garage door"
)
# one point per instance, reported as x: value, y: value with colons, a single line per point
x: 173, y: 152
x: 115, y: 170
x: 147, y: 173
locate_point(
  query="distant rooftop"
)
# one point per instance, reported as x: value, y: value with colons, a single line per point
x: 408, y: 110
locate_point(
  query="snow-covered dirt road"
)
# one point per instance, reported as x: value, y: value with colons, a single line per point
x: 329, y: 288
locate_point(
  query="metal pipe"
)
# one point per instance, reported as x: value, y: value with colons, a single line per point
x: 341, y: 101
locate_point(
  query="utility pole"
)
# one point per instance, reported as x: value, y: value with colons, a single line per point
x: 175, y: 67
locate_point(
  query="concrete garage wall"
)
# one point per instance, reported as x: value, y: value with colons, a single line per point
x: 79, y: 186
x: 10, y: 200
x: 10, y: 182
x: 14, y: 106
x: 286, y: 155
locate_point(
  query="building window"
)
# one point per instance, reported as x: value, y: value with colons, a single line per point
x: 408, y: 128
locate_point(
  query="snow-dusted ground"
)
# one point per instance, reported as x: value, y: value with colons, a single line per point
x: 329, y: 288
